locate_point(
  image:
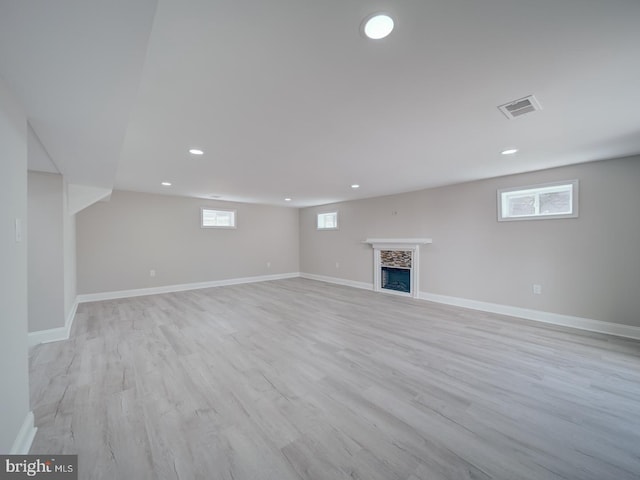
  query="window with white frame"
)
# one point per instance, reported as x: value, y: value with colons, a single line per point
x: 328, y: 221
x: 550, y: 200
x: 212, y: 218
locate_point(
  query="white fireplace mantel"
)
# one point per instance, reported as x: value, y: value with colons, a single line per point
x: 406, y: 244
x: 397, y: 242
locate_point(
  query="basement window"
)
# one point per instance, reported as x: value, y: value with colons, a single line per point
x: 210, y: 218
x: 328, y: 221
x: 550, y: 200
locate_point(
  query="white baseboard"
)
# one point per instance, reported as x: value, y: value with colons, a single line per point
x: 54, y: 334
x: 62, y: 333
x: 24, y: 439
x: 338, y: 281
x: 139, y: 292
x: 581, y: 323
x: 588, y: 324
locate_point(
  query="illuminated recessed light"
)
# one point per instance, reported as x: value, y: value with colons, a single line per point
x: 378, y: 26
x: 196, y: 151
x: 166, y: 184
x: 355, y: 185
x: 287, y: 199
x: 510, y: 151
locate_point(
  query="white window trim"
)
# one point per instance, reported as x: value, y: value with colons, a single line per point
x: 540, y: 187
x: 235, y: 218
x: 326, y: 213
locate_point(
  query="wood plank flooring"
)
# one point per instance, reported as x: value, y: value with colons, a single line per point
x: 297, y: 379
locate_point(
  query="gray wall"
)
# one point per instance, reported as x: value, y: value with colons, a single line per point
x: 46, y: 253
x: 14, y: 377
x: 69, y: 245
x: 52, y: 252
x: 120, y: 241
x: 588, y: 267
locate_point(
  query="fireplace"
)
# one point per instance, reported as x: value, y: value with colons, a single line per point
x: 396, y: 264
x: 398, y: 279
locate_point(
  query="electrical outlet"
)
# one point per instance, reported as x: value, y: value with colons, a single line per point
x: 152, y: 273
x: 268, y: 264
x: 337, y: 265
x: 537, y: 289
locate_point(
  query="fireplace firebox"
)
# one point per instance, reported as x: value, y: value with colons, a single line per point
x: 398, y: 279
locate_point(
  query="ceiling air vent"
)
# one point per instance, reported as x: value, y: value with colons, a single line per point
x: 520, y: 107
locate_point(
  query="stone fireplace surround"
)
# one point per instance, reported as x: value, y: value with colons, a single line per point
x: 397, y: 252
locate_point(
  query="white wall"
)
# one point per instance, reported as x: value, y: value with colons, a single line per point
x: 588, y: 267
x: 121, y: 240
x: 46, y: 253
x: 14, y: 376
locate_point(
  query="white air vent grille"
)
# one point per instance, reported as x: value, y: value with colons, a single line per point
x: 520, y: 107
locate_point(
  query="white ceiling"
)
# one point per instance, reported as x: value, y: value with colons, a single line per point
x: 288, y: 99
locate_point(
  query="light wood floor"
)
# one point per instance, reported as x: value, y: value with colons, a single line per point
x: 297, y: 379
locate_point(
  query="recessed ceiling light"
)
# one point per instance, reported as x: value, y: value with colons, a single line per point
x: 378, y: 26
x: 166, y: 184
x: 509, y: 151
x: 287, y: 199
x: 355, y: 185
x: 196, y: 151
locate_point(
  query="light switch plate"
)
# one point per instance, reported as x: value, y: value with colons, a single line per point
x: 18, y: 230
